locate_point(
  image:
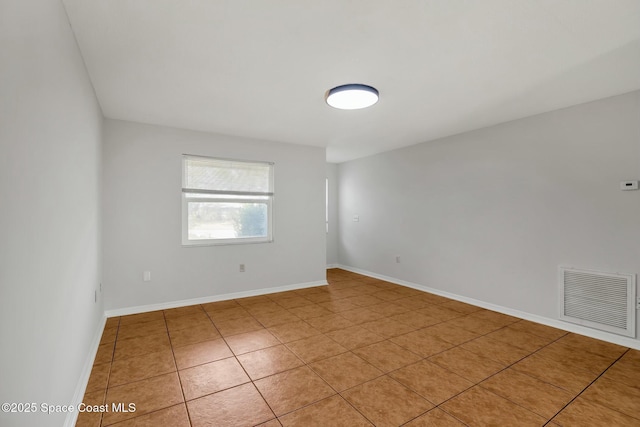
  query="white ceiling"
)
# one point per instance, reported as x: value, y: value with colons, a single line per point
x: 261, y: 68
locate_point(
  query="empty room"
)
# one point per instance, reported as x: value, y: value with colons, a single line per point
x: 332, y: 213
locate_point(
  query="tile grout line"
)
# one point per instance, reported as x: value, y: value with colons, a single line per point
x: 393, y: 379
x: 175, y: 363
x: 387, y: 373
x: 113, y: 359
x: 235, y: 356
x: 478, y: 384
x: 308, y: 365
x: 532, y: 353
x: 589, y: 385
x: 383, y: 373
x: 153, y: 376
x: 388, y: 339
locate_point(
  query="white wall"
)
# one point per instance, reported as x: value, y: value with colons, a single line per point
x: 492, y: 213
x: 332, y: 235
x: 50, y: 137
x: 142, y: 218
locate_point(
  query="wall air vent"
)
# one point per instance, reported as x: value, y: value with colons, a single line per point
x: 604, y: 301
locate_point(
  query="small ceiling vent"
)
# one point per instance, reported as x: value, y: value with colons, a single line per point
x: 604, y: 301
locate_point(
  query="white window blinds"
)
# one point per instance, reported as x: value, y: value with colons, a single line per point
x: 227, y: 176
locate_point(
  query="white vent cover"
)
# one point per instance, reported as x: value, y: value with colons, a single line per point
x: 604, y: 301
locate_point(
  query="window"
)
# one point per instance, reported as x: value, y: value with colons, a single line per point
x: 226, y: 201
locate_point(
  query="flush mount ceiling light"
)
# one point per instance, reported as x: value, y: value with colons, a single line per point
x: 352, y: 96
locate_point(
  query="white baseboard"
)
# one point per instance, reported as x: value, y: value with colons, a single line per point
x: 593, y: 333
x: 203, y: 300
x: 333, y: 266
x: 81, y: 387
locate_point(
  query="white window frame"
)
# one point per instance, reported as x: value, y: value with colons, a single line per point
x: 243, y: 197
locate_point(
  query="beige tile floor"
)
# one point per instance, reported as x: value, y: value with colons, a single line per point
x: 358, y: 352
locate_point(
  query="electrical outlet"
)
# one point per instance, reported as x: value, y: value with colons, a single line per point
x: 628, y: 185
x: 241, y: 268
x: 146, y: 276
